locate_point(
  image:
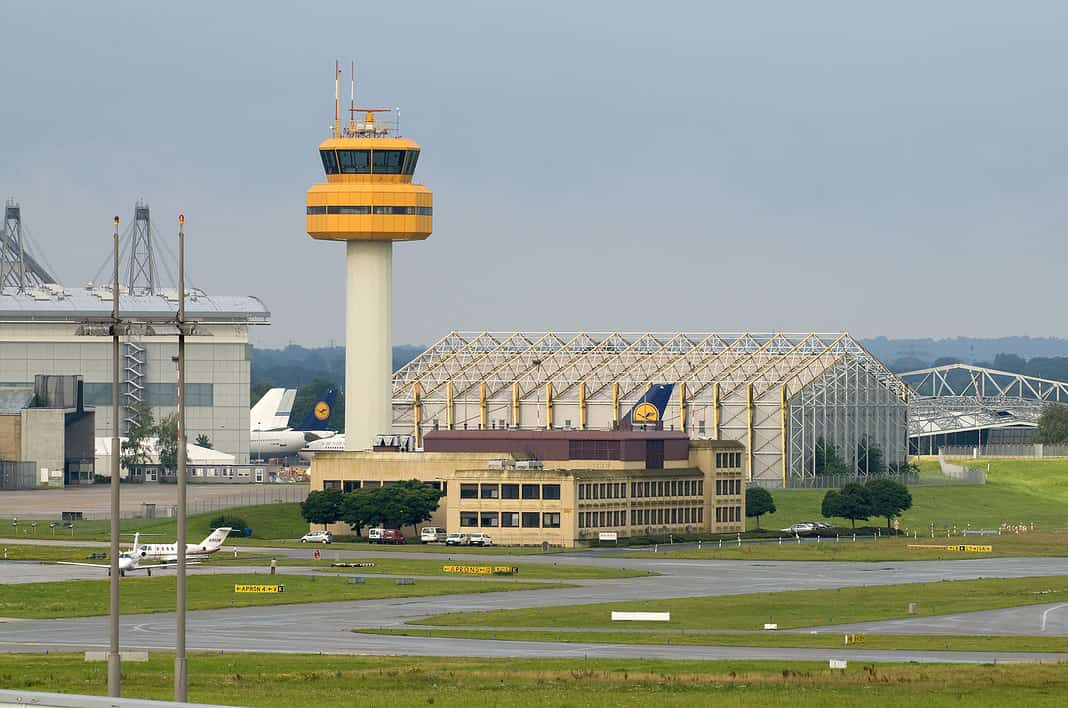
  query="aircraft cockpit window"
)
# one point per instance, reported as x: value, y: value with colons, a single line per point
x: 411, y: 157
x: 354, y: 162
x: 388, y: 162
x: 329, y: 161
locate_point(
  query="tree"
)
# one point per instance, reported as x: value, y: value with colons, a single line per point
x: 1053, y: 425
x: 850, y: 502
x: 402, y: 504
x: 322, y: 507
x: 167, y: 435
x: 827, y: 458
x: 758, y: 502
x: 356, y: 508
x: 888, y: 498
x: 204, y: 441
x: 135, y: 450
x: 869, y: 458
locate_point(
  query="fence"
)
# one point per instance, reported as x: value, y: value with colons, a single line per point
x: 250, y: 496
x: 835, y: 481
x: 971, y: 475
x: 1005, y: 450
x: 18, y: 475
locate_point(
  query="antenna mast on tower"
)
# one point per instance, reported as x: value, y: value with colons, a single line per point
x: 18, y: 269
x: 142, y: 273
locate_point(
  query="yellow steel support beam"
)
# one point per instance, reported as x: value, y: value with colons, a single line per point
x: 682, y: 406
x: 785, y: 440
x: 449, y: 420
x: 417, y: 412
x: 582, y: 406
x: 515, y: 405
x: 548, y: 406
x: 749, y: 428
x: 483, y: 416
x: 615, y: 406
x: 715, y: 411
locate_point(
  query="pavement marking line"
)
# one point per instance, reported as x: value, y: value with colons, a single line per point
x: 1046, y: 614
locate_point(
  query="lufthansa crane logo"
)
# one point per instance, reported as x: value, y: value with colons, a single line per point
x: 646, y: 413
x: 322, y: 410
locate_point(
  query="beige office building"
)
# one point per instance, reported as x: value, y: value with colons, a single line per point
x: 560, y: 487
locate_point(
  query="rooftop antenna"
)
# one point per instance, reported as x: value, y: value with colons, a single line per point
x: 337, y: 99
x: 352, y: 100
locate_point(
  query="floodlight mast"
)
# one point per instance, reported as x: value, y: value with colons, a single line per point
x: 114, y: 665
x: 181, y: 664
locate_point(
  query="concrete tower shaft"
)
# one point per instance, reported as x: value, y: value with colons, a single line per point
x: 370, y: 201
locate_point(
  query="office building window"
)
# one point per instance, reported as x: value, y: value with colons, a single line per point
x: 531, y: 491
x: 531, y: 519
x: 350, y: 485
x: 96, y: 394
x: 469, y: 491
x: 510, y: 519
x: 550, y: 520
x: 550, y: 491
x: 331, y: 484
x: 489, y: 519
x: 469, y: 519
x: 491, y: 491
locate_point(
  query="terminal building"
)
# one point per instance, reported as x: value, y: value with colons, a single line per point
x: 48, y: 328
x: 785, y: 397
x: 559, y: 487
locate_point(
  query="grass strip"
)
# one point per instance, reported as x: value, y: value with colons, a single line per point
x: 823, y: 640
x: 82, y: 598
x: 1032, y: 544
x: 274, y: 680
x: 796, y: 608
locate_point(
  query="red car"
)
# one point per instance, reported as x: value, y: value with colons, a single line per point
x: 385, y: 536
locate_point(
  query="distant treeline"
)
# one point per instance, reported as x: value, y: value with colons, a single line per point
x: 311, y: 371
x: 1043, y: 367
x: 911, y: 354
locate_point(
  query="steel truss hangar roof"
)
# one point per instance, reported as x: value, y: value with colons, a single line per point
x: 777, y: 393
x: 960, y: 398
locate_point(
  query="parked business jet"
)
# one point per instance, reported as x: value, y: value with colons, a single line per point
x: 129, y: 561
x: 285, y: 441
x: 168, y: 552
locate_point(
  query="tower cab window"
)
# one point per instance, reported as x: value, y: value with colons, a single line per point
x: 410, y: 158
x: 329, y: 161
x: 388, y: 162
x: 354, y: 162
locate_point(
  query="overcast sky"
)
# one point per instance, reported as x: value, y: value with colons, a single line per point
x: 894, y: 171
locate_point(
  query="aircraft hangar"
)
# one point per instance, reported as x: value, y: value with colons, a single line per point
x: 782, y: 395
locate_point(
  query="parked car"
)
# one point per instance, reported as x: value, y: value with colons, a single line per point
x: 380, y: 535
x: 457, y: 539
x: 317, y: 537
x: 432, y: 534
x: 821, y: 525
x: 801, y: 528
x: 481, y: 539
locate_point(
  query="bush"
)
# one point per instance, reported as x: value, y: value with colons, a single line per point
x: 234, y: 522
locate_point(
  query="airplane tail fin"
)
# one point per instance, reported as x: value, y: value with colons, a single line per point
x: 648, y: 412
x: 320, y: 412
x: 272, y: 411
x: 216, y: 538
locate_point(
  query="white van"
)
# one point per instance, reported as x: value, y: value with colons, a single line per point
x: 374, y: 535
x: 432, y: 534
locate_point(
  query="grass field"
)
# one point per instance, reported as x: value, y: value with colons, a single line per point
x: 791, y: 609
x: 80, y: 598
x: 272, y: 680
x: 1016, y: 492
x: 77, y: 554
x: 268, y: 521
x: 824, y: 640
x: 886, y: 548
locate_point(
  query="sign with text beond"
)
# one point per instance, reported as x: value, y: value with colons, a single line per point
x: 854, y: 639
x: 608, y: 536
x: 260, y: 588
x: 960, y: 548
x: 481, y: 569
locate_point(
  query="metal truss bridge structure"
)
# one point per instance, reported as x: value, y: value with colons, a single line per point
x: 777, y: 393
x: 959, y: 398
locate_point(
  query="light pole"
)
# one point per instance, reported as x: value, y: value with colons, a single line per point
x: 114, y: 666
x: 181, y: 674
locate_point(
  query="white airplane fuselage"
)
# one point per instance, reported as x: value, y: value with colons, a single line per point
x: 282, y: 443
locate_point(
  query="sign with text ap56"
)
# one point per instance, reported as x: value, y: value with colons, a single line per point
x: 259, y: 588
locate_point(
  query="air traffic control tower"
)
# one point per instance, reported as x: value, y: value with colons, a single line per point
x: 369, y: 201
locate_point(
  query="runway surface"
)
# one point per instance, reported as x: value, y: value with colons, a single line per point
x: 326, y: 627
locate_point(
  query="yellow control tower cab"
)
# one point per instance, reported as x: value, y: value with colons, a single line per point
x: 368, y: 201
x: 369, y: 194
